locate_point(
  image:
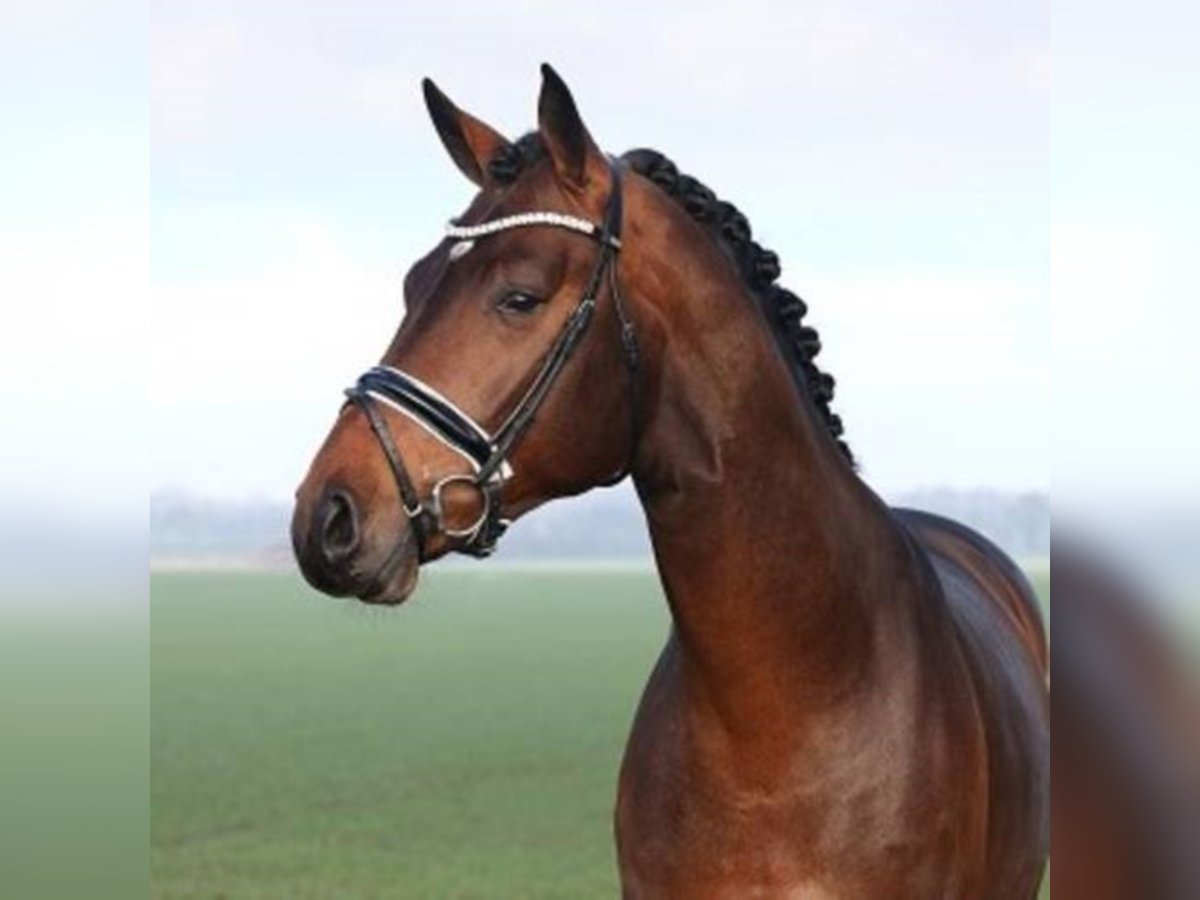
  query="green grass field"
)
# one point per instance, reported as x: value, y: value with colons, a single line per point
x: 464, y: 746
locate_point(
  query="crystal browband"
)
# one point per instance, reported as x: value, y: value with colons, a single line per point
x: 560, y: 220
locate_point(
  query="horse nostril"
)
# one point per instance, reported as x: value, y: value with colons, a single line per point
x: 339, y: 527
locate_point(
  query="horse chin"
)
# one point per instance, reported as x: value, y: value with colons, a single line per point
x: 394, y: 590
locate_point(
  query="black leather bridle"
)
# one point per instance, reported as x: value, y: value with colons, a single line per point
x: 488, y: 453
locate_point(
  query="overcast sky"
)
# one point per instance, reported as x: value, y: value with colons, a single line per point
x: 896, y: 157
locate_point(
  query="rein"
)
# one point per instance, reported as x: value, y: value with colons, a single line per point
x: 488, y: 453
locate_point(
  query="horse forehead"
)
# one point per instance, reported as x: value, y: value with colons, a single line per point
x: 536, y: 190
x: 423, y: 275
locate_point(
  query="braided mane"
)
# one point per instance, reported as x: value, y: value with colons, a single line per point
x: 759, y: 267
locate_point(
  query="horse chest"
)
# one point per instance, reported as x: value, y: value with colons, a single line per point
x: 692, y: 821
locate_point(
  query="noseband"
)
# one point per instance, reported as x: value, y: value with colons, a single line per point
x: 488, y: 453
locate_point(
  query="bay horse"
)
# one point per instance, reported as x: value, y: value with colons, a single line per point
x: 852, y: 701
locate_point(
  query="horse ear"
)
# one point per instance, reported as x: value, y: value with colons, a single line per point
x: 577, y: 159
x: 471, y: 143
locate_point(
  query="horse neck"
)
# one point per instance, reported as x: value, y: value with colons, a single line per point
x: 772, y: 552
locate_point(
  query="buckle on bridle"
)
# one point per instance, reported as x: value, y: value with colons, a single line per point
x: 437, y: 508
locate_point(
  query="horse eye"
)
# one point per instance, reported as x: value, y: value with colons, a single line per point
x: 519, y: 302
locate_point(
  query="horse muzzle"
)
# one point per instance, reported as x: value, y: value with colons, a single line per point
x: 341, y: 552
